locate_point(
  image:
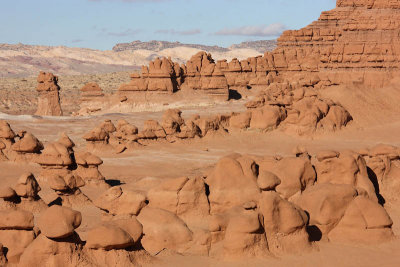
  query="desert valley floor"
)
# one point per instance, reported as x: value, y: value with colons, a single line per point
x: 163, y: 160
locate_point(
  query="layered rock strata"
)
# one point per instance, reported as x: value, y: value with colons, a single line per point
x: 164, y: 76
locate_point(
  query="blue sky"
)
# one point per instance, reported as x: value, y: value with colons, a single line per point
x: 100, y: 24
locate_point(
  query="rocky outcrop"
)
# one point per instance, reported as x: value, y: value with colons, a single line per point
x: 116, y: 201
x: 201, y: 73
x: 246, y: 207
x: 159, y: 76
x: 294, y: 108
x: 66, y: 171
x: 24, y: 195
x: 58, y: 242
x: 357, y: 35
x: 27, y: 148
x: 173, y: 127
x: 162, y: 75
x: 55, y: 160
x: 49, y: 99
x: 87, y: 168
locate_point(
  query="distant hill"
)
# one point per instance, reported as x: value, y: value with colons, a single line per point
x: 161, y: 45
x: 260, y: 46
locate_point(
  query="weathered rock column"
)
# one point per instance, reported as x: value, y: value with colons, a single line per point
x: 49, y: 99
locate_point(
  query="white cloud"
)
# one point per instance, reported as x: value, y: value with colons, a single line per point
x: 175, y: 32
x: 275, y: 29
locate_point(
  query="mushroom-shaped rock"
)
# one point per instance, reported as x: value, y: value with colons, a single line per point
x: 16, y: 220
x: 65, y: 184
x: 27, y: 186
x: 117, y: 201
x: 87, y: 159
x: 163, y: 230
x: 28, y: 144
x: 98, y: 134
x: 268, y: 181
x: 66, y: 141
x: 55, y: 154
x: 57, y: 183
x: 108, y: 236
x: 59, y: 222
x: 88, y: 167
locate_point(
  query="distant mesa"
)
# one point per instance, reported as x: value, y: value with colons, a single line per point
x: 261, y: 46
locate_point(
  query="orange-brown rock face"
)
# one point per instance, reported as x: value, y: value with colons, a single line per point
x: 201, y: 73
x: 248, y: 72
x: 361, y: 35
x: 165, y: 76
x: 358, y: 35
x: 159, y: 76
x: 369, y: 3
x: 49, y: 99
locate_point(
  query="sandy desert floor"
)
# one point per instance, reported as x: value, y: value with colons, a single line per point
x: 193, y: 158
